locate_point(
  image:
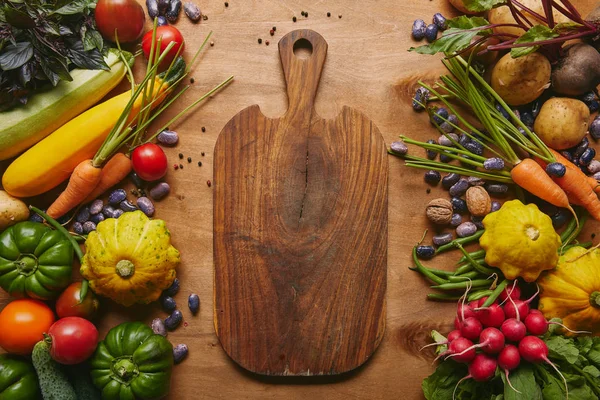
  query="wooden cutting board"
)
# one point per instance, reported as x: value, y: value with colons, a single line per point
x: 300, y: 231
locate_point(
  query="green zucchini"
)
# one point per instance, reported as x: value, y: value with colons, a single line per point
x: 52, y: 107
x: 53, y: 381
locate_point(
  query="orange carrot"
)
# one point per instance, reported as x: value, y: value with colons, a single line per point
x: 113, y: 172
x: 531, y: 176
x: 590, y: 180
x: 84, y: 179
x: 579, y: 191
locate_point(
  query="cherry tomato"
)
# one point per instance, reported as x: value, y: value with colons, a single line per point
x: 68, y: 303
x: 167, y: 34
x: 149, y: 162
x: 22, y: 324
x: 126, y: 17
x: 74, y: 340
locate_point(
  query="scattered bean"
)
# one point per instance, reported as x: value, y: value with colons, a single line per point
x: 192, y: 11
x: 459, y: 188
x: 463, y: 139
x: 497, y: 188
x: 77, y: 227
x: 399, y: 147
x: 431, y: 32
x: 127, y: 206
x: 152, y: 6
x: 475, y: 181
x: 474, y: 147
x: 477, y: 221
x: 117, y: 213
x: 442, y: 238
x: 581, y: 147
x: 444, y: 140
x: 88, y: 226
x: 83, y: 214
x: 591, y: 100
x: 97, y: 218
x: 459, y: 205
x: 173, y: 10
x: 161, y: 21
x: 432, y: 177
x: 96, y: 206
x: 594, y: 166
x: 594, y: 128
x: 456, y: 220
x: 527, y: 119
x: 146, y: 206
x: 420, y: 99
x: 587, y: 156
x: 160, y: 191
x: 168, y: 138
x: 425, y: 252
x: 466, y: 229
x: 34, y: 217
x: 560, y: 218
x: 445, y: 158
x: 158, y: 327
x: 108, y: 211
x: 168, y: 303
x: 194, y: 303
x: 418, y: 29
x: 596, y: 176
x: 431, y: 154
x: 449, y: 180
x: 163, y: 5
x: 117, y: 196
x: 493, y: 164
x: 440, y: 21
x: 173, y: 320
x: 180, y: 351
x: 173, y: 289
x: 556, y: 169
x: 436, y: 117
x: 495, y: 206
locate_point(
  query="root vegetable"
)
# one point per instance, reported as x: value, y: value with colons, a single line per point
x: 578, y: 71
x: 462, y: 349
x: 503, y: 15
x: 521, y: 80
x: 514, y: 291
x: 535, y: 350
x: 470, y: 328
x: 509, y: 359
x: 460, y: 6
x: 492, y: 316
x: 562, y: 122
x: 513, y: 329
x: 12, y: 210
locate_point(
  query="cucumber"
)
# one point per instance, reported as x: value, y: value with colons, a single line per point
x: 80, y: 378
x: 53, y: 381
x: 52, y: 107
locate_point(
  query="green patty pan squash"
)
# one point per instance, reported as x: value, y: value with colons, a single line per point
x: 520, y: 240
x: 130, y: 259
x: 571, y: 292
x: 132, y: 363
x: 35, y: 261
x: 18, y: 380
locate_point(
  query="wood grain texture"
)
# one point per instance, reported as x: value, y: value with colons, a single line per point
x: 300, y: 231
x: 369, y: 69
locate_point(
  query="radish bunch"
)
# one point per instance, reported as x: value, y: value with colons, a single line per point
x: 500, y: 335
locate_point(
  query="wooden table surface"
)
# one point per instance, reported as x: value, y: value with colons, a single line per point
x: 367, y: 68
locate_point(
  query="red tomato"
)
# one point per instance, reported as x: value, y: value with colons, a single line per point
x: 22, y: 324
x: 126, y: 17
x: 68, y: 304
x: 74, y: 340
x: 167, y: 34
x: 149, y: 162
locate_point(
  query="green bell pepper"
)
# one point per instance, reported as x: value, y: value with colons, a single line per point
x: 132, y: 363
x: 18, y: 380
x: 35, y: 261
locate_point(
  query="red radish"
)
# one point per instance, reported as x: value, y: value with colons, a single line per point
x: 483, y: 300
x: 513, y: 329
x: 457, y: 323
x: 481, y: 369
x: 537, y: 324
x: 509, y: 359
x: 491, y: 316
x: 455, y: 334
x: 535, y: 350
x: 464, y: 311
x: 535, y: 311
x: 491, y: 341
x: 470, y: 328
x: 460, y: 349
x: 516, y: 306
x: 514, y: 292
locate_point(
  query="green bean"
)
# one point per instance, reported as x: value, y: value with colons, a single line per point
x: 573, y: 235
x: 464, y: 277
x: 463, y: 269
x: 443, y: 297
x: 585, y: 245
x: 495, y: 293
x: 473, y: 254
x: 424, y: 271
x: 568, y: 230
x: 478, y: 294
x: 440, y: 272
x: 477, y: 265
x: 462, y: 285
x: 461, y: 241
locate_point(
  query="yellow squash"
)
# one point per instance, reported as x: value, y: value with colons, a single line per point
x: 520, y: 240
x: 52, y: 160
x: 130, y: 259
x: 571, y: 292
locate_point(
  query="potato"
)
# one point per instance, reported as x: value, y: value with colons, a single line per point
x: 521, y: 80
x: 562, y: 122
x: 578, y: 71
x: 502, y: 15
x: 12, y: 210
x: 460, y: 6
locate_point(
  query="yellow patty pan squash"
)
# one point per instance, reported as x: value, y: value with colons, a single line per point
x: 571, y: 292
x: 130, y: 259
x: 520, y: 240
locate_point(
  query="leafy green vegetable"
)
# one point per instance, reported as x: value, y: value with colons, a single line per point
x: 523, y: 380
x: 537, y: 33
x: 41, y: 40
x: 461, y: 31
x: 440, y: 385
x: 563, y: 348
x: 482, y: 5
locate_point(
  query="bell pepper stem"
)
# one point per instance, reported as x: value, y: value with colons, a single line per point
x: 52, y: 222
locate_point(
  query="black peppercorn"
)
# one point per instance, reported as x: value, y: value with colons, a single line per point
x: 294, y: 19
x: 192, y: 80
x: 329, y: 14
x: 202, y: 154
x: 274, y: 28
x: 181, y: 156
x: 226, y: 4
x: 189, y: 159
x: 259, y: 40
x: 199, y: 163
x: 180, y: 166
x: 203, y: 128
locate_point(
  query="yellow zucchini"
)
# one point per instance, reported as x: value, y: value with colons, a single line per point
x: 51, y: 161
x: 24, y: 126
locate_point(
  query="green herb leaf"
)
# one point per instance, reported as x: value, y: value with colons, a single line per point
x: 440, y: 385
x: 74, y: 7
x: 523, y: 379
x: 86, y: 59
x: 537, y: 33
x: 593, y: 371
x: 584, y: 343
x: 461, y: 31
x: 566, y: 27
x: 13, y: 56
x: 18, y: 18
x: 562, y: 348
x: 482, y: 5
x: 439, y: 338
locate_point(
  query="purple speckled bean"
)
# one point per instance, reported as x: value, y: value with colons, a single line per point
x: 158, y: 327
x: 146, y: 206
x: 442, y: 238
x: 180, y: 352
x: 160, y: 191
x: 459, y: 188
x: 495, y: 206
x: 127, y: 206
x: 96, y: 206
x: 173, y: 320
x: 77, y: 228
x: 168, y: 138
x: 117, y: 213
x: 466, y: 229
x: 475, y: 181
x: 399, y: 147
x: 594, y: 166
x: 192, y: 11
x: 444, y: 140
x: 456, y: 220
x: 88, y: 227
x: 83, y: 215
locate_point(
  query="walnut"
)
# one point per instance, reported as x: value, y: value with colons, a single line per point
x: 478, y: 201
x: 439, y: 211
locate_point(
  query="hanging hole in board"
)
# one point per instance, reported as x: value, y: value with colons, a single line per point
x: 303, y: 48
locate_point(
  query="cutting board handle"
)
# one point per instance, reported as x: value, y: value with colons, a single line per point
x: 302, y: 75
